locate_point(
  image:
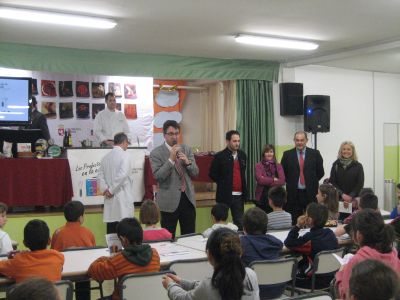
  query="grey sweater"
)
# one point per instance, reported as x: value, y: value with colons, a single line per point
x: 192, y: 290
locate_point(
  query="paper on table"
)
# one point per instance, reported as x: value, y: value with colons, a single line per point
x: 342, y: 209
x: 113, y: 240
x: 343, y: 260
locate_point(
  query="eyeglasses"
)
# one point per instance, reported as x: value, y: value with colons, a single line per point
x: 172, y: 133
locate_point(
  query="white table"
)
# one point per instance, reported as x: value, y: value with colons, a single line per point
x: 197, y: 242
x: 170, y: 252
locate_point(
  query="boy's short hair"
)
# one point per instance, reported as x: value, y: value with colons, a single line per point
x: 149, y: 212
x: 370, y: 279
x: 130, y: 228
x: 33, y: 289
x: 366, y: 190
x: 220, y: 212
x: 369, y: 201
x: 3, y: 208
x: 318, y: 213
x: 36, y: 235
x: 73, y: 210
x: 255, y: 221
x: 277, y: 194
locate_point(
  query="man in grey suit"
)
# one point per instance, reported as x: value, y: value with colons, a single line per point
x: 173, y: 166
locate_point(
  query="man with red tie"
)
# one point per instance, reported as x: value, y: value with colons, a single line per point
x: 303, y: 169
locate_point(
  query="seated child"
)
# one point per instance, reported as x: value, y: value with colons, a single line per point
x: 5, y: 241
x: 34, y: 288
x: 135, y: 258
x: 219, y: 215
x: 278, y: 218
x: 39, y: 262
x: 150, y: 216
x: 329, y: 196
x: 375, y: 240
x: 396, y: 210
x: 73, y: 234
x: 230, y: 279
x: 257, y: 245
x: 316, y: 240
x: 371, y: 280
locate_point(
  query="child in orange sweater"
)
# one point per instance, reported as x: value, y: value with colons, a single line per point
x: 73, y: 234
x: 39, y: 262
x: 135, y: 258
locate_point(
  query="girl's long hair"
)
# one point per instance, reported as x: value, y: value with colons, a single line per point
x: 229, y: 271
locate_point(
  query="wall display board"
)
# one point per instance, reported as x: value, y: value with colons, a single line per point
x: 71, y: 102
x: 85, y: 164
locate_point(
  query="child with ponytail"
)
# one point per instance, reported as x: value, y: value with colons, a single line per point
x: 230, y: 280
x: 375, y: 239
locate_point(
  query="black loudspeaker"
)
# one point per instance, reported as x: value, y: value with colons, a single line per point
x: 317, y: 113
x: 291, y: 96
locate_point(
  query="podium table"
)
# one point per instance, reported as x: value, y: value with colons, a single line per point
x: 32, y: 181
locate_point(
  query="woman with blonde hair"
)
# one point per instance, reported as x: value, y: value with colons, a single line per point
x: 347, y: 175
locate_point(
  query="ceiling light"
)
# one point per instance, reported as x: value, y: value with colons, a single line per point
x: 55, y: 18
x: 276, y: 42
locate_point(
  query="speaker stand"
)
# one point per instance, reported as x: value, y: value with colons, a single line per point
x: 315, y: 140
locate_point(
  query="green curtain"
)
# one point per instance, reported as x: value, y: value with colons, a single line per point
x: 94, y: 62
x: 255, y: 122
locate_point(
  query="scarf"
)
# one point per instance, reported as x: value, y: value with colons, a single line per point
x: 269, y: 167
x: 345, y: 162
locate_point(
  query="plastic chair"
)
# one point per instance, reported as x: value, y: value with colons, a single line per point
x: 143, y: 286
x: 195, y: 269
x: 276, y: 271
x: 324, y: 263
x: 65, y: 288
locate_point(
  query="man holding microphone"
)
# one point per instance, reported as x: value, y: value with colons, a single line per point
x: 173, y: 165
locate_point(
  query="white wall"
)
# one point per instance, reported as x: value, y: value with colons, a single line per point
x: 360, y: 103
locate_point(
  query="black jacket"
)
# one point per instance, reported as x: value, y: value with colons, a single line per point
x: 348, y: 181
x: 221, y: 172
x: 38, y: 121
x: 313, y: 172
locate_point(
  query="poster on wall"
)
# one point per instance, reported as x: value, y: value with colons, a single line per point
x: 85, y: 164
x: 69, y: 101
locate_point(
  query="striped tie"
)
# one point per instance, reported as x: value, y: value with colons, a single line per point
x: 178, y: 167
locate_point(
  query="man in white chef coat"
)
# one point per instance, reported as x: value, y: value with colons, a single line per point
x: 116, y: 183
x: 109, y: 122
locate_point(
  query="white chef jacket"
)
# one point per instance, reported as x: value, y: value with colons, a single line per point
x: 115, y: 174
x: 108, y: 123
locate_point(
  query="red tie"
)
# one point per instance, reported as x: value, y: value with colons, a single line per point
x: 178, y: 167
x: 301, y: 163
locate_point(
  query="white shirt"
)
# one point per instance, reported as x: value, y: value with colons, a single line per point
x: 108, y: 123
x: 5, y: 242
x: 115, y: 174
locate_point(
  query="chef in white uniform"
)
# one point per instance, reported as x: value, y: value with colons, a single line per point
x: 116, y: 183
x: 109, y: 122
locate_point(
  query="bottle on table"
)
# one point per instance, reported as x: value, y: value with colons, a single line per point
x: 69, y: 138
x: 65, y: 140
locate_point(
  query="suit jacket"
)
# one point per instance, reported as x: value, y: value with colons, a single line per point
x: 168, y: 179
x: 313, y: 172
x: 38, y: 121
x: 221, y: 171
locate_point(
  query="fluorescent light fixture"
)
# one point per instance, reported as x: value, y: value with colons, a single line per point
x: 275, y: 42
x: 55, y: 18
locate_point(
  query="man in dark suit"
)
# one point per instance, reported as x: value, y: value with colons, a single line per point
x: 173, y: 166
x: 228, y: 170
x: 37, y: 120
x: 303, y: 169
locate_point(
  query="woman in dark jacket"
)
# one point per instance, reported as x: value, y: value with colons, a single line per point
x: 347, y: 175
x: 268, y: 173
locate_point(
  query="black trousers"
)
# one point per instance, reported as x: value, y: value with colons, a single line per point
x: 185, y: 214
x: 297, y: 205
x: 112, y: 227
x: 237, y: 210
